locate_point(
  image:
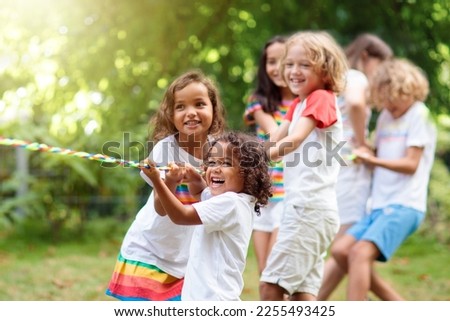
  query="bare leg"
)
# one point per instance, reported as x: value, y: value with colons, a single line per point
x: 382, y: 289
x: 271, y: 292
x: 360, y: 261
x: 333, y: 273
x: 303, y: 297
x: 261, y: 243
x: 340, y: 251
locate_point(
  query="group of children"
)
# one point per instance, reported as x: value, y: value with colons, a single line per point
x: 190, y: 240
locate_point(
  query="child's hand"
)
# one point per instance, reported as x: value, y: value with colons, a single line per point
x: 192, y: 174
x: 175, y: 174
x: 150, y: 169
x: 363, y: 154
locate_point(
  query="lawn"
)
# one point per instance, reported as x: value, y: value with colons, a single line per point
x: 80, y: 270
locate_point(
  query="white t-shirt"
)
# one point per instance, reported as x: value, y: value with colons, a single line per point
x: 311, y: 171
x: 219, y: 247
x: 358, y: 81
x: 155, y: 239
x: 354, y: 180
x: 393, y: 137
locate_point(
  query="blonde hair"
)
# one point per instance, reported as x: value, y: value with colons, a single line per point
x: 162, y: 123
x: 325, y: 55
x: 399, y: 79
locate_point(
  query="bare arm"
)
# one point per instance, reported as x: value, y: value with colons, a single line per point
x: 172, y: 179
x: 406, y: 165
x: 265, y: 121
x: 355, y: 98
x: 178, y: 212
x: 276, y: 136
x: 283, y: 144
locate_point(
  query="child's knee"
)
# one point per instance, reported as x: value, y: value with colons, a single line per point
x: 340, y: 251
x: 362, y: 251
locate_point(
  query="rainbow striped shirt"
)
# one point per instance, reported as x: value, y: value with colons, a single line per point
x: 276, y: 168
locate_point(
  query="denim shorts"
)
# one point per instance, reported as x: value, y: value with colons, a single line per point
x: 387, y: 228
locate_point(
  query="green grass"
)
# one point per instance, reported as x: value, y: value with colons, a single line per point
x: 80, y: 270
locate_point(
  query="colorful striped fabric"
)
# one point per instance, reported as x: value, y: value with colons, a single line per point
x: 137, y: 281
x: 183, y: 194
x: 276, y: 168
x: 276, y: 173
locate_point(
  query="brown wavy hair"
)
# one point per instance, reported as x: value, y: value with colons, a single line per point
x: 161, y: 124
x: 253, y: 163
x: 369, y: 43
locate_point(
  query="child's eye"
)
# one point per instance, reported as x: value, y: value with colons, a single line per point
x: 227, y: 164
x: 179, y: 107
x: 201, y: 104
x: 210, y: 164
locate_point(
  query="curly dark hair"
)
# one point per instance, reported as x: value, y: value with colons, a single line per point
x: 253, y: 162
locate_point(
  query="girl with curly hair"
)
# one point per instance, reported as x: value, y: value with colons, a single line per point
x: 237, y: 184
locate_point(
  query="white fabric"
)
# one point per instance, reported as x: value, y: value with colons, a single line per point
x: 357, y: 79
x: 269, y: 217
x: 352, y: 192
x: 354, y: 180
x: 309, y: 177
x: 393, y: 137
x: 155, y: 239
x: 219, y: 247
x: 296, y: 262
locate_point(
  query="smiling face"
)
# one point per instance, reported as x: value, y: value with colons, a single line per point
x: 299, y: 72
x: 193, y: 111
x: 274, y: 54
x: 222, y: 172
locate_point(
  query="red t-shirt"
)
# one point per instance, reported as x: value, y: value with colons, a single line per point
x: 320, y: 106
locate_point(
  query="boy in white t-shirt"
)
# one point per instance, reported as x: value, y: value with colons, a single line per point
x: 405, y: 145
x: 308, y: 141
x: 237, y: 184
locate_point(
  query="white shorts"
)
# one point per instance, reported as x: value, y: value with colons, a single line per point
x: 269, y: 218
x: 296, y: 260
x: 352, y: 191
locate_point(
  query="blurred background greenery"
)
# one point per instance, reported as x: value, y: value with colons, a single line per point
x: 81, y: 74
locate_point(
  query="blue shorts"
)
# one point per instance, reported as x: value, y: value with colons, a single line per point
x: 387, y: 228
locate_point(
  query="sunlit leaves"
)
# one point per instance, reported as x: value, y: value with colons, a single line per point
x: 441, y: 11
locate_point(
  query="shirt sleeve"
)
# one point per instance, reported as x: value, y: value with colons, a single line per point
x: 321, y: 106
x: 421, y: 131
x: 253, y: 105
x: 156, y: 155
x: 291, y: 109
x: 217, y: 213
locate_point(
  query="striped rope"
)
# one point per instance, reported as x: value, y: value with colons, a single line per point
x: 69, y: 152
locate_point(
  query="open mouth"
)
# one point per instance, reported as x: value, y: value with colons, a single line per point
x: 192, y: 122
x: 217, y: 181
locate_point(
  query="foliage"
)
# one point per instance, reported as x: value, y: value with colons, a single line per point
x: 87, y: 75
x: 438, y: 216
